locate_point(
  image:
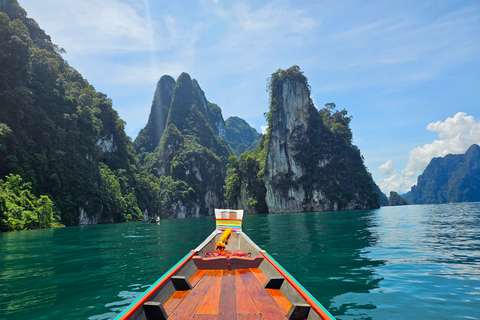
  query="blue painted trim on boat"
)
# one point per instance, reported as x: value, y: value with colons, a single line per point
x: 300, y: 286
x: 153, y: 285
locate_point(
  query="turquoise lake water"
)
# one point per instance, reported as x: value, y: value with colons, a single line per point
x: 410, y: 262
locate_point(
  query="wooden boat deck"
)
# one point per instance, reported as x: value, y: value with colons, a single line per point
x: 228, y: 294
x: 242, y: 281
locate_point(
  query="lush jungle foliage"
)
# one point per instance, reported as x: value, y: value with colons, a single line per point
x: 60, y: 134
x: 396, y: 200
x: 245, y: 182
x: 63, y: 142
x: 327, y: 140
x: 191, y: 158
x: 21, y: 210
x: 241, y: 136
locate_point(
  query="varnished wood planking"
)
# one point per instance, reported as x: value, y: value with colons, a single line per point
x: 244, y: 301
x: 280, y: 299
x: 197, y: 277
x: 249, y: 317
x: 189, y: 305
x: 205, y: 317
x: 227, y: 309
x: 264, y: 301
x: 259, y: 275
x: 212, y: 300
x: 174, y: 301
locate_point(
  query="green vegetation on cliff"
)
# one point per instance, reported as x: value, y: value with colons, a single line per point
x: 59, y: 134
x: 322, y: 146
x: 324, y: 150
x: 245, y: 183
x: 21, y: 210
x: 241, y: 136
x: 396, y: 200
x: 149, y: 137
x: 453, y: 178
x: 191, y: 156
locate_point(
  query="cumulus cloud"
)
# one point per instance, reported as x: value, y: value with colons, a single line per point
x: 456, y: 135
x: 387, y: 168
x: 397, y: 182
x: 264, y: 129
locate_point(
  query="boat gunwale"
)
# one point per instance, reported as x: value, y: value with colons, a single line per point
x: 135, y: 305
x: 317, y: 306
x: 322, y: 312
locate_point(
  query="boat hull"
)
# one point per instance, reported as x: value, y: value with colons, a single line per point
x: 249, y: 285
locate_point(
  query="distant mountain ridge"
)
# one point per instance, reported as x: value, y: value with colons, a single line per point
x: 453, y: 178
x: 241, y: 136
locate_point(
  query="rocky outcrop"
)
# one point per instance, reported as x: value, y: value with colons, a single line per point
x: 453, y: 178
x: 149, y: 137
x: 307, y: 168
x: 283, y: 171
x: 107, y: 143
x: 191, y: 153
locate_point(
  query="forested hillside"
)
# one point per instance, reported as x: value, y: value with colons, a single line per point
x: 306, y: 161
x: 65, y: 156
x: 241, y: 136
x: 61, y: 135
x: 453, y: 178
x: 189, y: 155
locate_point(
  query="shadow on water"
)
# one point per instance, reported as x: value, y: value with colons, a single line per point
x: 325, y: 251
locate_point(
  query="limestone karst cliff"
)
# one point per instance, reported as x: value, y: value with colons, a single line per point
x: 311, y: 164
x: 453, y: 178
x: 59, y: 134
x: 190, y: 157
x: 149, y: 137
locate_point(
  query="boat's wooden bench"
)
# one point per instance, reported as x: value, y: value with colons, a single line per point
x: 222, y: 262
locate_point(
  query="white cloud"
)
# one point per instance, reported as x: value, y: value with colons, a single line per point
x: 264, y: 129
x: 93, y: 26
x: 387, y: 168
x: 396, y: 182
x: 456, y: 134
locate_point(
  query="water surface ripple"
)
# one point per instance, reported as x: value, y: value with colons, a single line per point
x: 410, y: 262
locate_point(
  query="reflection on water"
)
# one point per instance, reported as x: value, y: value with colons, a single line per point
x: 432, y: 255
x: 411, y: 262
x: 325, y: 251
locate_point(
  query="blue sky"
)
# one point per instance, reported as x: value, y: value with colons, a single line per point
x: 407, y: 71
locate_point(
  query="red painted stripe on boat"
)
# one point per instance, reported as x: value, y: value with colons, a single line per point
x: 300, y: 290
x: 154, y: 288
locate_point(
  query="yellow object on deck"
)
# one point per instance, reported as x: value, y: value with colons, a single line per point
x: 223, y: 240
x: 226, y: 234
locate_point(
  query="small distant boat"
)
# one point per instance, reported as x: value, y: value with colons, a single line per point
x: 155, y: 220
x: 226, y: 276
